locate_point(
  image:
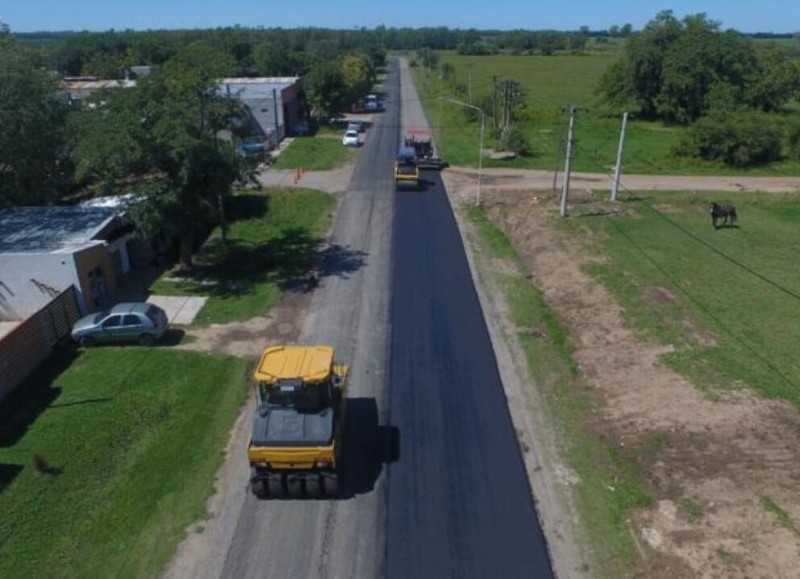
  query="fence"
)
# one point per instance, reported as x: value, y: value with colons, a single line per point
x: 32, y: 341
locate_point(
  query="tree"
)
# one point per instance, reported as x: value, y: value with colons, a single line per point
x: 678, y: 71
x: 428, y: 58
x: 327, y: 90
x: 159, y: 142
x: 270, y: 59
x: 33, y: 167
x: 359, y: 76
x: 636, y: 77
x: 776, y: 80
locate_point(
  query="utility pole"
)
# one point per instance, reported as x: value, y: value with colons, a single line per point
x: 559, y: 145
x: 506, y: 104
x: 618, y: 167
x: 570, y: 143
x: 494, y: 100
x: 469, y: 83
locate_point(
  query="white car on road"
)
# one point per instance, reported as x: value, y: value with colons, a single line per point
x: 350, y: 138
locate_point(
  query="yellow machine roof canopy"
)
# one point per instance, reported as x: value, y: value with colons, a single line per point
x: 310, y: 363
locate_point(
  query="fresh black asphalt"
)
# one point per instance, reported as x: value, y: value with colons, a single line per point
x: 459, y: 503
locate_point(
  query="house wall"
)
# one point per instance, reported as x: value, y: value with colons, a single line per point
x: 263, y: 112
x: 29, y: 281
x: 98, y: 273
x: 28, y: 344
x: 291, y: 108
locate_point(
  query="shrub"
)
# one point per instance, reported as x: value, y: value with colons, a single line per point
x: 517, y: 141
x: 737, y: 139
x: 793, y: 141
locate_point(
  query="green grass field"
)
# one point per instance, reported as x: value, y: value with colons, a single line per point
x: 321, y: 152
x: 737, y: 283
x: 272, y: 239
x: 132, y: 438
x: 550, y: 84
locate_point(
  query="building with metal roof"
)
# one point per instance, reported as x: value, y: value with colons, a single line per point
x: 45, y: 250
x: 273, y: 104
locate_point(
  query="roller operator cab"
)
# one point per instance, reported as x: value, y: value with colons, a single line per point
x: 296, y: 441
x: 406, y: 172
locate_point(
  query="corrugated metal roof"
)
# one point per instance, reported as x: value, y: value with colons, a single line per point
x: 253, y: 88
x: 52, y: 229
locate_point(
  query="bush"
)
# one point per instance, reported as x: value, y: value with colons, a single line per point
x: 793, y: 141
x: 517, y: 141
x: 737, y: 139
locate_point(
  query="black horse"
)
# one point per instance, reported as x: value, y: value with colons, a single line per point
x: 725, y: 212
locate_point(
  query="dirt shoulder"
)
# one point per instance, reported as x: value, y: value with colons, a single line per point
x: 724, y: 471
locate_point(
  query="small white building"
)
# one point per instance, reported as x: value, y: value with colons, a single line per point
x: 273, y: 104
x: 45, y: 250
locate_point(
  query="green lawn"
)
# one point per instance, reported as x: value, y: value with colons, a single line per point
x: 322, y: 152
x: 133, y: 438
x: 272, y: 240
x: 736, y: 283
x: 550, y: 84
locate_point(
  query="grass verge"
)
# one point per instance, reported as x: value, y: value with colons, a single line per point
x: 322, y: 152
x: 130, y: 439
x: 272, y: 241
x: 608, y: 483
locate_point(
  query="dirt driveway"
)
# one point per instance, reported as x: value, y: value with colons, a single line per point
x: 725, y: 476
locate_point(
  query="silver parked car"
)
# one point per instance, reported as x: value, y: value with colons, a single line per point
x: 128, y: 322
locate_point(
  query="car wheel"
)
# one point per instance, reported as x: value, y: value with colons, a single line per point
x: 86, y: 341
x: 147, y: 340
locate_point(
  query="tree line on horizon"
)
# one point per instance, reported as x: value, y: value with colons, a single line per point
x: 731, y: 93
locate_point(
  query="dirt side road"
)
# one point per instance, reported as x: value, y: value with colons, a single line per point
x: 600, y: 184
x: 724, y: 477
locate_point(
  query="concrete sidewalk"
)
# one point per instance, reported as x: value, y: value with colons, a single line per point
x: 181, y: 310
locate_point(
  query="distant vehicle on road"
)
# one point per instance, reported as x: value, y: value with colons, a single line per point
x: 372, y: 102
x: 357, y: 126
x: 127, y: 322
x: 350, y: 138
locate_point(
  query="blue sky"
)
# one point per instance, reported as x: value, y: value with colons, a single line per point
x: 780, y: 16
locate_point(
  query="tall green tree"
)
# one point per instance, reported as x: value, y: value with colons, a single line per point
x: 327, y: 90
x: 159, y: 141
x: 359, y: 76
x: 679, y: 70
x: 33, y: 167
